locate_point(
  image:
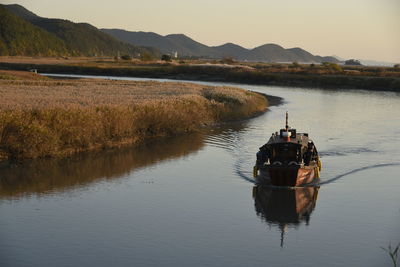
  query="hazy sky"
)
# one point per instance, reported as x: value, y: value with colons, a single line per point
x: 362, y: 29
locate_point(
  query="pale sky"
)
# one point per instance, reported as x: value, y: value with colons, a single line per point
x: 361, y: 29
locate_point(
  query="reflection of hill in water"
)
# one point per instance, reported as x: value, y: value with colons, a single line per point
x: 49, y: 175
x: 285, y: 207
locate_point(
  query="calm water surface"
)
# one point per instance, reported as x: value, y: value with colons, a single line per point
x: 190, y: 201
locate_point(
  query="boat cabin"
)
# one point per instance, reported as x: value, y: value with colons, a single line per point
x: 287, y: 147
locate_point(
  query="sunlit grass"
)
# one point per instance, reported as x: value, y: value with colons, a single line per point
x: 40, y: 118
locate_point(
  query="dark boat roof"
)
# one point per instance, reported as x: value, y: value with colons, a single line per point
x: 300, y: 139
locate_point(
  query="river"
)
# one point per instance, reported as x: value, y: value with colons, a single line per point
x: 191, y: 201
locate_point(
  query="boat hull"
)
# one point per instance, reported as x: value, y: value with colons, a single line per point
x: 289, y: 176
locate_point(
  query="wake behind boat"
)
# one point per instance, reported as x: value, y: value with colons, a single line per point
x: 287, y: 159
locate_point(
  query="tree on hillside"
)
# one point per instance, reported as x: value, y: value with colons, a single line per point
x: 295, y: 64
x: 146, y: 56
x: 332, y: 66
x: 228, y: 60
x: 352, y: 62
x: 166, y: 58
x: 126, y: 57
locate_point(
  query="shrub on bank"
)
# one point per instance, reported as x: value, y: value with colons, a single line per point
x: 126, y: 57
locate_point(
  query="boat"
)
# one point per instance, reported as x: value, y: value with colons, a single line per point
x: 288, y: 159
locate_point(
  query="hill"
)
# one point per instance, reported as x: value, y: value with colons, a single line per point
x: 166, y: 44
x: 25, y: 33
x: 188, y: 47
x: 195, y: 48
x: 142, y: 39
x: 19, y: 37
x: 234, y: 51
x: 78, y: 38
x: 272, y: 52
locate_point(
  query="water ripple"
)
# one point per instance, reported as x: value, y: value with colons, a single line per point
x: 247, y: 175
x: 345, y: 152
x: 358, y: 170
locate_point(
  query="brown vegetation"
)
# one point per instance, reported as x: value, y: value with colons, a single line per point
x: 327, y: 75
x: 41, y: 118
x: 20, y: 75
x: 325, y: 68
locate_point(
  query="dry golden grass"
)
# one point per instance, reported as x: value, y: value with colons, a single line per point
x: 20, y: 75
x: 17, y: 94
x: 41, y: 118
x: 106, y: 62
x: 43, y: 60
x: 267, y: 68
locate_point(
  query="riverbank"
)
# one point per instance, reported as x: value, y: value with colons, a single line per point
x: 321, y: 76
x: 42, y: 117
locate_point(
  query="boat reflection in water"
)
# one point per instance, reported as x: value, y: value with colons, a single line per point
x: 285, y: 207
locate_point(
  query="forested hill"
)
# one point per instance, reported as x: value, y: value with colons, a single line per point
x: 19, y: 37
x: 25, y: 33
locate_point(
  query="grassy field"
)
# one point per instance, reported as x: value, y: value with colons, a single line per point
x: 325, y: 75
x: 293, y: 68
x: 42, y: 117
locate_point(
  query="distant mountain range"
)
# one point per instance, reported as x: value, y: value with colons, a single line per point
x: 188, y: 47
x: 24, y: 33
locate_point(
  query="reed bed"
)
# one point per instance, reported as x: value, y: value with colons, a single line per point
x: 42, y: 118
x: 295, y: 75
